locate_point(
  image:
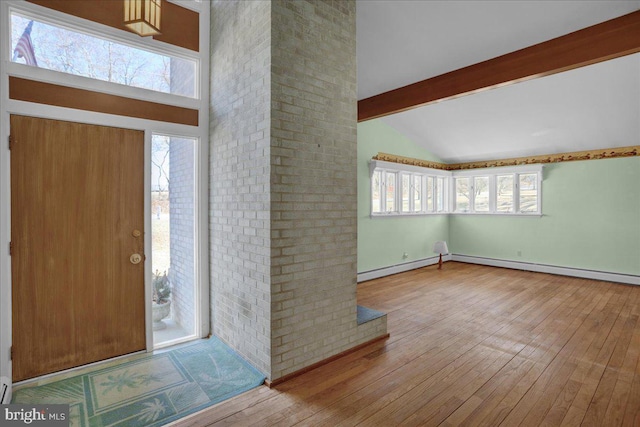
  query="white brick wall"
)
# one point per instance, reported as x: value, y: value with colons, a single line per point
x: 181, y: 207
x: 182, y: 226
x: 283, y: 185
x: 240, y: 167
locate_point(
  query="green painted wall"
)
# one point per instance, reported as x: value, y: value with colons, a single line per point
x: 591, y: 220
x: 383, y: 241
x: 591, y: 217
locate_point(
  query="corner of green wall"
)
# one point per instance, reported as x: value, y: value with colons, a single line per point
x: 382, y: 242
x: 591, y: 216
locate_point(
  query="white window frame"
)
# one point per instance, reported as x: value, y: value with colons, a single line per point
x: 380, y: 194
x: 412, y: 192
x: 412, y: 176
x: 446, y: 186
x: 79, y: 25
x: 442, y: 186
x: 454, y: 198
x: 401, y: 187
x: 489, y: 187
x: 493, y: 173
x: 400, y: 170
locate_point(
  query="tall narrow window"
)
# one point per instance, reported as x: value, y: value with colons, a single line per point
x: 390, y: 191
x: 481, y: 194
x: 462, y: 195
x: 528, y: 190
x: 59, y: 49
x: 173, y: 222
x: 406, y: 192
x: 376, y: 185
x: 430, y: 192
x: 504, y: 193
x: 440, y: 191
x: 417, y: 193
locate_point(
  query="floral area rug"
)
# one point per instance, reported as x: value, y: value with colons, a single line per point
x: 152, y: 390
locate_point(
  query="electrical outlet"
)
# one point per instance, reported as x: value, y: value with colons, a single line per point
x: 405, y: 255
x: 519, y: 253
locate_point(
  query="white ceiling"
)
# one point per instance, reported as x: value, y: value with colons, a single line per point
x: 401, y: 42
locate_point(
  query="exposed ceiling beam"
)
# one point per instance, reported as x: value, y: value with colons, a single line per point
x: 601, y: 42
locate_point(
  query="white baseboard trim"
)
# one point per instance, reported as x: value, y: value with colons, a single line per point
x: 400, y: 268
x: 516, y: 265
x: 543, y: 268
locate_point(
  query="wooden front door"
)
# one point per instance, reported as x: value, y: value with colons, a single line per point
x: 77, y: 217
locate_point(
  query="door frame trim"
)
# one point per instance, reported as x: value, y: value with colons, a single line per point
x: 149, y: 127
x: 8, y: 107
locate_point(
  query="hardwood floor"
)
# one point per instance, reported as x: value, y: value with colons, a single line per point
x: 470, y: 345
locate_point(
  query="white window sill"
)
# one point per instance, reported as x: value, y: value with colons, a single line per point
x: 532, y: 214
x: 404, y: 214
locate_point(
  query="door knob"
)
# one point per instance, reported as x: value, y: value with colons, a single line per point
x: 135, y: 258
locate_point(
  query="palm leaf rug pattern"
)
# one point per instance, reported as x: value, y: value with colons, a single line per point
x: 150, y: 391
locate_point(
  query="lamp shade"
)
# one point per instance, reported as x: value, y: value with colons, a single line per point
x: 440, y: 248
x: 142, y: 16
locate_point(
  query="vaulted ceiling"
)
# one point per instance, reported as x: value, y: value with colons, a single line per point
x: 593, y: 107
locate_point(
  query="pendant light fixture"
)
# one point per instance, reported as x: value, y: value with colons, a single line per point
x: 142, y: 16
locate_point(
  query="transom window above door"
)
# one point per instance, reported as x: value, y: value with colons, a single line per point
x: 45, y: 45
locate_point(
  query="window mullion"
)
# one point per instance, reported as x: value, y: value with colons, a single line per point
x: 516, y: 193
x: 397, y: 195
x: 383, y: 191
x: 447, y: 196
x: 472, y: 194
x: 423, y: 191
x: 539, y: 193
x: 412, y: 190
x: 492, y: 193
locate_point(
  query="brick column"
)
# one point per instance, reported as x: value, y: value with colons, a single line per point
x: 240, y: 167
x: 283, y: 182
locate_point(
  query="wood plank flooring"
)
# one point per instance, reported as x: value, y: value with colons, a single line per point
x: 475, y: 346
